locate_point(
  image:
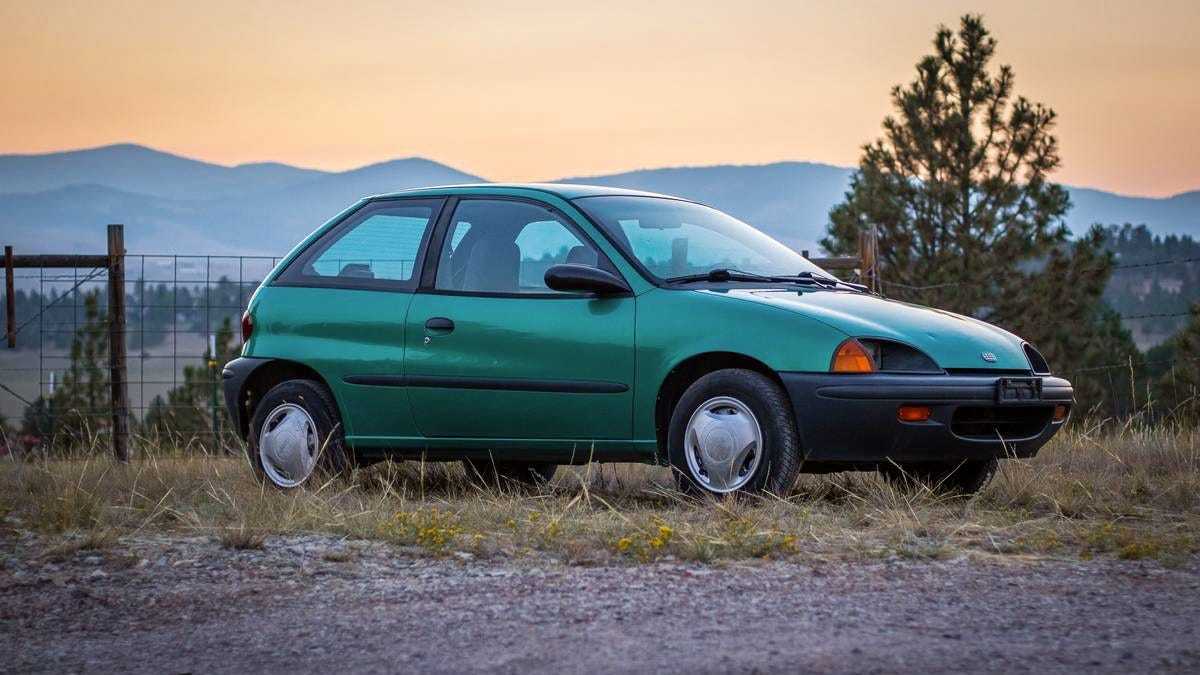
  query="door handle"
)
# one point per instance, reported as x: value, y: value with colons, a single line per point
x: 439, y: 325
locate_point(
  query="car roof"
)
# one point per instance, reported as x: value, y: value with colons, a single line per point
x: 562, y: 190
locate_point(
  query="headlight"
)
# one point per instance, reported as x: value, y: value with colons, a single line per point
x: 851, y: 357
x: 865, y: 355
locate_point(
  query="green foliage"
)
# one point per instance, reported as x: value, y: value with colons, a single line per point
x: 81, y: 404
x: 968, y: 218
x: 1177, y: 391
x: 1144, y: 285
x: 36, y: 422
x: 8, y: 436
x: 188, y: 409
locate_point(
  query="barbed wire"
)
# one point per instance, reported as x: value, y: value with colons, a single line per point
x: 1134, y: 317
x: 919, y: 288
x: 1127, y: 365
x: 1129, y: 266
x: 91, y: 275
x: 17, y: 396
x: 1156, y: 263
x: 1154, y: 316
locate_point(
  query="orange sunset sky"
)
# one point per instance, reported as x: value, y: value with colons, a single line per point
x: 538, y: 90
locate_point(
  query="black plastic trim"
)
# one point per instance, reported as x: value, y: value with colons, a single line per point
x: 489, y: 383
x: 852, y: 417
x: 376, y: 380
x: 429, y: 271
x: 527, y: 296
x: 234, y: 375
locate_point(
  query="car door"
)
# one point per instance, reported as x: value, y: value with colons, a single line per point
x: 493, y: 353
x: 342, y: 305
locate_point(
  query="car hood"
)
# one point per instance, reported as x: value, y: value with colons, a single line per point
x: 952, y: 340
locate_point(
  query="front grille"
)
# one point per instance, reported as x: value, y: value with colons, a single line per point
x: 996, y: 422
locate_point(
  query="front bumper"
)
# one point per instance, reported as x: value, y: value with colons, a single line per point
x: 852, y: 419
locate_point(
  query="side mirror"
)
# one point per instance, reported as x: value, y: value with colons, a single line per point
x: 584, y: 279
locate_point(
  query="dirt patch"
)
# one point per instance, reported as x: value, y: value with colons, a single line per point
x: 310, y: 603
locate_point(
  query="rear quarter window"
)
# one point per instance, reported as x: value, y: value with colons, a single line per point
x: 377, y: 247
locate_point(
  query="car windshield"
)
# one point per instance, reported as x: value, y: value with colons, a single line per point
x: 674, y: 239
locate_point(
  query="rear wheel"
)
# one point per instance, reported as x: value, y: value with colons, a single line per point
x: 733, y: 431
x: 296, y: 432
x: 501, y: 474
x: 967, y: 477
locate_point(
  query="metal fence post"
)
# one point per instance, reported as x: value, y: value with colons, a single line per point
x: 215, y: 405
x: 118, y: 372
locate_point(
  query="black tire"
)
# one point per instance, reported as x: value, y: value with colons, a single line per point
x: 780, y: 458
x: 334, y: 458
x: 963, y: 478
x: 504, y: 474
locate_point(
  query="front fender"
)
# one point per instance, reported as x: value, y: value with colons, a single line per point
x: 675, y: 325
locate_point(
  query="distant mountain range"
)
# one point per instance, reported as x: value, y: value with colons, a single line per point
x: 59, y: 202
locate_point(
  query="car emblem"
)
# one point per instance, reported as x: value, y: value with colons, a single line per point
x: 989, y: 357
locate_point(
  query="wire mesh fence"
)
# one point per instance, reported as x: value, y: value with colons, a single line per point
x: 182, y: 318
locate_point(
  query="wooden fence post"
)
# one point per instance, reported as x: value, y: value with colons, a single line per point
x: 875, y: 258
x: 10, y: 302
x: 868, y: 241
x: 118, y: 373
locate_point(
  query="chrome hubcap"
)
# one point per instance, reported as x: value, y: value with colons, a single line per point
x: 287, y: 445
x: 722, y: 444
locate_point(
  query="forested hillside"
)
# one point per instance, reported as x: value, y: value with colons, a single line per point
x: 1156, y: 278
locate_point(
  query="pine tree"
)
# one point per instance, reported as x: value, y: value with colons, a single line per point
x: 968, y: 218
x: 8, y: 436
x: 1177, y: 391
x: 82, y: 403
x: 35, y: 421
x: 186, y: 413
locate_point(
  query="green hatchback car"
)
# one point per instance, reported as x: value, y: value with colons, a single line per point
x: 520, y: 327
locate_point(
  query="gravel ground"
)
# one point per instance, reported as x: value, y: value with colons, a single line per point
x: 309, y: 604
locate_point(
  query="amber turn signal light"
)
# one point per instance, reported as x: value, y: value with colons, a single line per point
x: 851, y: 357
x: 1060, y: 413
x: 914, y: 413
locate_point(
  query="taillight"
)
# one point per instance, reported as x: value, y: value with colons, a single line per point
x: 851, y: 357
x: 247, y: 326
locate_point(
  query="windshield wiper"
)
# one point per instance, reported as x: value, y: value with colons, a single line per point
x: 728, y: 274
x: 832, y: 282
x: 721, y: 274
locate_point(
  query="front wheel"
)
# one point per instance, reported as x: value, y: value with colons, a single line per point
x: 967, y: 477
x: 733, y: 431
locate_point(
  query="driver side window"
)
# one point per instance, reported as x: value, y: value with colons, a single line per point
x: 505, y: 247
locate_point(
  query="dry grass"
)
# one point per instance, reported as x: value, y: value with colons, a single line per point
x: 1132, y: 493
